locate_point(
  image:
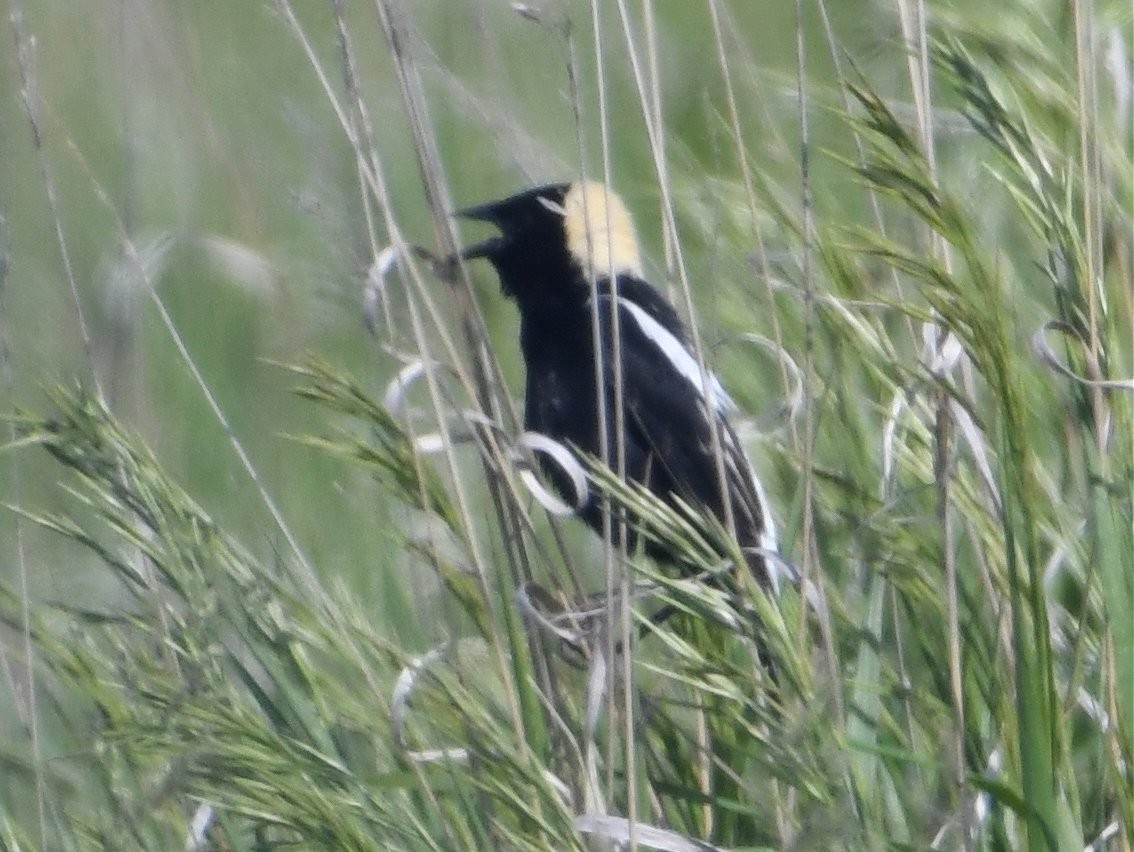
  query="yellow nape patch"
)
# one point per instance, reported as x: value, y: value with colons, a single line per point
x: 600, y: 233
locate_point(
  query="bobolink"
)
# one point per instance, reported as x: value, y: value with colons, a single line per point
x: 552, y: 240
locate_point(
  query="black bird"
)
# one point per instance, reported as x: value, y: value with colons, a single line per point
x: 552, y: 240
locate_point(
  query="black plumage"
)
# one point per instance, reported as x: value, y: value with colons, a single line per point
x: 552, y: 239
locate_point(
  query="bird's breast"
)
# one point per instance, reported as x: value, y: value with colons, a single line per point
x: 560, y: 386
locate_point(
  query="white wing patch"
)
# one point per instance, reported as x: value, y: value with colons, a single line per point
x: 737, y: 468
x: 736, y: 461
x: 768, y: 539
x: 679, y: 356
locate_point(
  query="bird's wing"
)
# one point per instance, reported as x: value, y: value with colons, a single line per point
x: 668, y: 403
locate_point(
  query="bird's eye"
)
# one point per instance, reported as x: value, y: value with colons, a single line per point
x: 551, y: 205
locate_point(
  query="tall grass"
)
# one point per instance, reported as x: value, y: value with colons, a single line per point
x: 933, y: 308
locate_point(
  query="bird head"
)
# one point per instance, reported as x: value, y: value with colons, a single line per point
x: 556, y: 233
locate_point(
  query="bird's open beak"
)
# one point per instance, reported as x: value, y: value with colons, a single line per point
x: 491, y: 247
